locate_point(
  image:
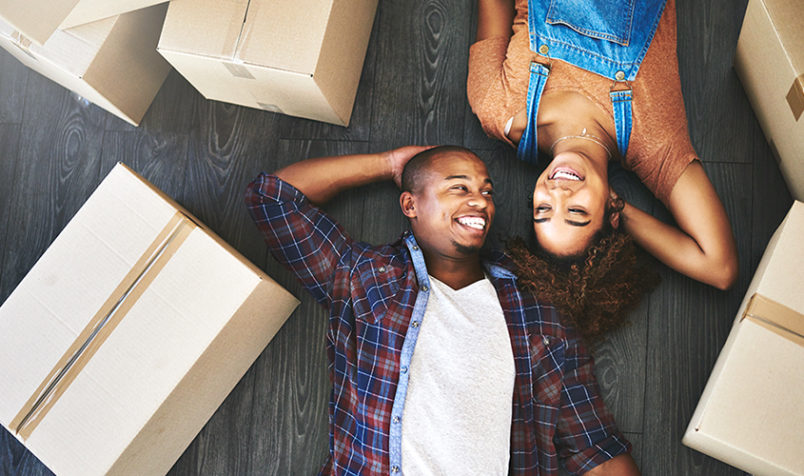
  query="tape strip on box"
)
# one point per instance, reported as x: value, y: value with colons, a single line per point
x: 776, y: 317
x: 795, y: 97
x: 122, y: 299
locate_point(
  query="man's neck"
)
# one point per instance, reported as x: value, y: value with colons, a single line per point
x: 455, y: 273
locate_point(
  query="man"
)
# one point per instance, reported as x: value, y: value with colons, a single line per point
x: 496, y: 384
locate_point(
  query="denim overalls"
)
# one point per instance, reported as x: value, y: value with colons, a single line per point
x: 607, y: 37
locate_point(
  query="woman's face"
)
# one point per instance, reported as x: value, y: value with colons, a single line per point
x: 569, y: 204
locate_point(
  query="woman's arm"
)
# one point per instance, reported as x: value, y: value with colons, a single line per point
x: 494, y: 18
x: 702, y: 246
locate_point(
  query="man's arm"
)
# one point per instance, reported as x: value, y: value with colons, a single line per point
x: 622, y: 465
x: 587, y: 438
x: 322, y: 178
x: 494, y: 18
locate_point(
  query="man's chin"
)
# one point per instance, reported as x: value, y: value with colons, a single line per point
x: 466, y: 249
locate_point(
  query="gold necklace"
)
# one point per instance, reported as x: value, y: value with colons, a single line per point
x: 585, y: 136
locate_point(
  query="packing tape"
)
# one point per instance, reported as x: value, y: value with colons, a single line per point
x: 95, y: 333
x: 776, y: 317
x: 795, y: 97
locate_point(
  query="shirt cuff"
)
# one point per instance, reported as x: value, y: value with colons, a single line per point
x: 613, y: 445
x: 269, y: 189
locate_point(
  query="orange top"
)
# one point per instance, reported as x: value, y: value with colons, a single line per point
x: 659, y: 149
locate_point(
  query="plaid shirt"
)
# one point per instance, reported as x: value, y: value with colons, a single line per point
x: 376, y: 297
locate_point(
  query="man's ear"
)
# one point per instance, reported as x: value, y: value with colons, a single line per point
x: 406, y: 201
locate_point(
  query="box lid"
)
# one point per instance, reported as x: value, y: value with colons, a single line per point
x: 281, y: 34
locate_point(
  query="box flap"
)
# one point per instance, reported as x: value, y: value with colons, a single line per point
x: 788, y: 21
x: 284, y: 34
x: 204, y: 27
x: 36, y: 19
x: 781, y: 270
x: 87, y: 11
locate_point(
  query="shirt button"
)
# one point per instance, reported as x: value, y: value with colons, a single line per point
x: 395, y: 469
x: 425, y: 288
x: 546, y: 341
x: 404, y: 370
x: 381, y: 269
x: 415, y: 248
x: 544, y: 49
x: 415, y: 324
x: 396, y: 419
x: 619, y: 75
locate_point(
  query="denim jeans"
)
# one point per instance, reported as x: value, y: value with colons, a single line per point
x: 606, y: 37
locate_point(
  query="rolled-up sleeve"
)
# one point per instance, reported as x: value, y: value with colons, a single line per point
x: 299, y: 235
x: 586, y: 434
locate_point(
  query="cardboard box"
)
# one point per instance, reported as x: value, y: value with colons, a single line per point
x: 296, y: 57
x: 770, y: 63
x: 751, y: 414
x: 39, y: 19
x: 181, y: 317
x: 112, y: 63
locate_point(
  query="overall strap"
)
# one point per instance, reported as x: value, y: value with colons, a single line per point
x: 621, y: 104
x: 528, y: 149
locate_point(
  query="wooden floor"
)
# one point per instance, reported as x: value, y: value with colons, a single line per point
x: 55, y: 149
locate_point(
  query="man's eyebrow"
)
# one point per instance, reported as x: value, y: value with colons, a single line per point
x: 466, y: 177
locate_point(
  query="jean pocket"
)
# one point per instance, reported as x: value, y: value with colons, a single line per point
x: 609, y: 20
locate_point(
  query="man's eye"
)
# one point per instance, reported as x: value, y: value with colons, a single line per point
x: 462, y: 188
x: 488, y: 192
x: 542, y: 208
x: 579, y: 211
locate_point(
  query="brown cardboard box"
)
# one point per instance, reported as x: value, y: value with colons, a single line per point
x: 296, y: 57
x: 39, y: 19
x: 770, y: 63
x: 112, y: 63
x: 181, y: 317
x: 751, y: 414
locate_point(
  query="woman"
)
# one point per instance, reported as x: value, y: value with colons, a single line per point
x: 589, y: 82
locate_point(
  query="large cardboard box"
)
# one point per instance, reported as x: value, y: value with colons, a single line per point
x: 112, y: 63
x: 296, y: 57
x: 39, y: 19
x: 751, y: 414
x: 128, y: 333
x: 770, y: 63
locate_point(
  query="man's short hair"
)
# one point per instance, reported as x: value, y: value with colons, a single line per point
x: 414, y: 170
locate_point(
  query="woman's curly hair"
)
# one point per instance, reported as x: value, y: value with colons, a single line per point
x: 594, y: 291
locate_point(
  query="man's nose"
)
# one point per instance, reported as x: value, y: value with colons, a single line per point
x: 478, y: 200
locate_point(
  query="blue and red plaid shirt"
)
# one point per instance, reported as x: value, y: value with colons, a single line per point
x: 376, y: 297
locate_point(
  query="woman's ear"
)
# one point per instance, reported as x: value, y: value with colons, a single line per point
x: 614, y: 219
x: 406, y: 201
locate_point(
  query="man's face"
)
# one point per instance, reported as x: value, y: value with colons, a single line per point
x: 452, y: 208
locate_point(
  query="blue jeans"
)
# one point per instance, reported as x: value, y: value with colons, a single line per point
x: 606, y: 37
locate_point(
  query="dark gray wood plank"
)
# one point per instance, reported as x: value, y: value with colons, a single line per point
x: 717, y: 109
x: 13, y: 80
x: 688, y: 324
x: 9, y: 139
x: 421, y: 93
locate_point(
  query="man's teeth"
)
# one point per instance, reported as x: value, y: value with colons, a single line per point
x: 560, y: 174
x: 473, y: 222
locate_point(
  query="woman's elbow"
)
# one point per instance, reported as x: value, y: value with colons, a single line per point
x: 724, y: 274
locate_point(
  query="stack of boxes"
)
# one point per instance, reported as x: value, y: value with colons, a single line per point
x: 301, y: 58
x: 750, y: 414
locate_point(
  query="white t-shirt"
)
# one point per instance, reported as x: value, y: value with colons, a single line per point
x: 457, y: 415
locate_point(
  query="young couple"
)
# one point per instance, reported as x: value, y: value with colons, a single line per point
x: 446, y: 362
